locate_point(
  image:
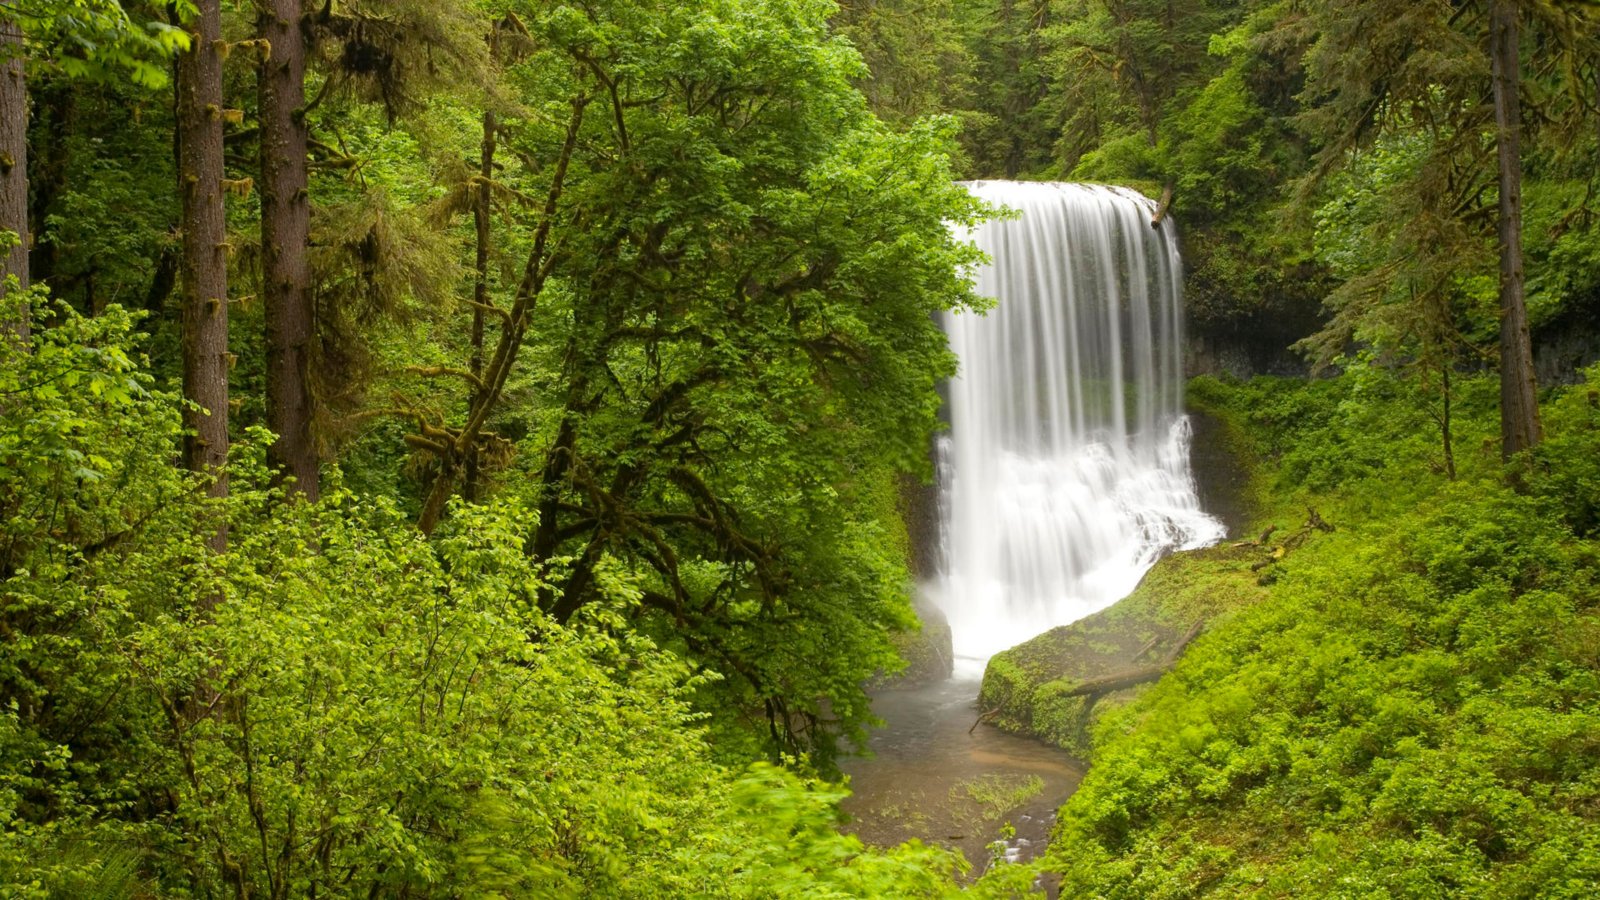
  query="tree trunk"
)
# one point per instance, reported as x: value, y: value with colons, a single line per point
x: 285, y: 235
x: 1519, y: 406
x: 206, y: 360
x: 481, y: 212
x: 13, y: 165
x: 514, y: 327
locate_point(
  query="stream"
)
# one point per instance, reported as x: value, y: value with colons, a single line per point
x: 929, y: 779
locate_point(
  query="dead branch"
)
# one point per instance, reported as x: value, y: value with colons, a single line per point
x: 985, y: 716
x: 1163, y: 207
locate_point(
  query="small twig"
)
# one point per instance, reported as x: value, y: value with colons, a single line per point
x: 982, y: 718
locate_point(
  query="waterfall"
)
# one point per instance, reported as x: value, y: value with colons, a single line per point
x: 1065, y: 474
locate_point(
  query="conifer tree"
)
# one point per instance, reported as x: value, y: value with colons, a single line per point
x: 13, y: 161
x: 1381, y: 69
x: 1519, y: 405
x: 285, y: 235
x: 206, y: 360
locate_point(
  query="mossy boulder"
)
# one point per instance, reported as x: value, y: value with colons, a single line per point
x: 1027, y: 689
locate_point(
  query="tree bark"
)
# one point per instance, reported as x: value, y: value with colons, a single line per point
x: 285, y: 236
x: 481, y: 212
x: 206, y: 360
x: 1519, y: 406
x: 1116, y: 681
x: 13, y: 165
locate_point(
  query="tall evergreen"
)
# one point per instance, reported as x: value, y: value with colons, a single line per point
x: 1519, y: 404
x: 206, y: 360
x: 13, y: 161
x: 285, y: 238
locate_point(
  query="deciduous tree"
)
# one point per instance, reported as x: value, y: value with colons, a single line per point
x: 721, y: 346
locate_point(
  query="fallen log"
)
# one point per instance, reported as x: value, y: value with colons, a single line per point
x: 1127, y: 678
x: 1094, y: 688
x: 1258, y: 542
x: 1314, y: 520
x: 1148, y: 646
x: 1116, y: 681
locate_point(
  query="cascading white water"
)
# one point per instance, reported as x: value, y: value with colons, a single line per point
x: 1066, y: 469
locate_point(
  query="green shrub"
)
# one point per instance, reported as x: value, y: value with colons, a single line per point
x: 1414, y: 711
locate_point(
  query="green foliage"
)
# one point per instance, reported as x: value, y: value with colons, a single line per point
x: 85, y: 467
x: 683, y: 550
x: 917, y: 54
x: 738, y: 337
x: 1010, y: 134
x: 1412, y: 710
x: 97, y: 40
x: 1397, y: 98
x: 381, y: 713
x: 1563, y: 249
x: 787, y: 844
x: 732, y: 353
x: 998, y: 795
x: 1406, y: 292
x: 1569, y: 471
x: 102, y: 189
x: 1341, y: 441
x: 339, y: 705
x: 1316, y: 150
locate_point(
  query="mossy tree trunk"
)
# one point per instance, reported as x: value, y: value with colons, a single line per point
x: 206, y: 360
x: 1519, y: 406
x: 285, y: 236
x: 13, y: 163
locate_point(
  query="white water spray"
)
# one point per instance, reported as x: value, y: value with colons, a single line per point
x: 1066, y: 470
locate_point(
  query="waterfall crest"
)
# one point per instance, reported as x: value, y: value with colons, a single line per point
x: 1065, y: 473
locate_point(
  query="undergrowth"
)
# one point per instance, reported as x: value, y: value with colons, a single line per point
x: 1414, y: 711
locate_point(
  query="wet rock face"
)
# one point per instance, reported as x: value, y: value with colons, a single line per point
x: 1028, y: 689
x: 1262, y: 345
x: 927, y: 652
x: 919, y: 508
x: 1221, y: 478
x: 1245, y: 351
x: 1563, y: 347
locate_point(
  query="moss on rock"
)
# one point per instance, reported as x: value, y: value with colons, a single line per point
x: 1026, y: 689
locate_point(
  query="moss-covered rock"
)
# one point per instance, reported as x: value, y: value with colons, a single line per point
x: 1026, y: 689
